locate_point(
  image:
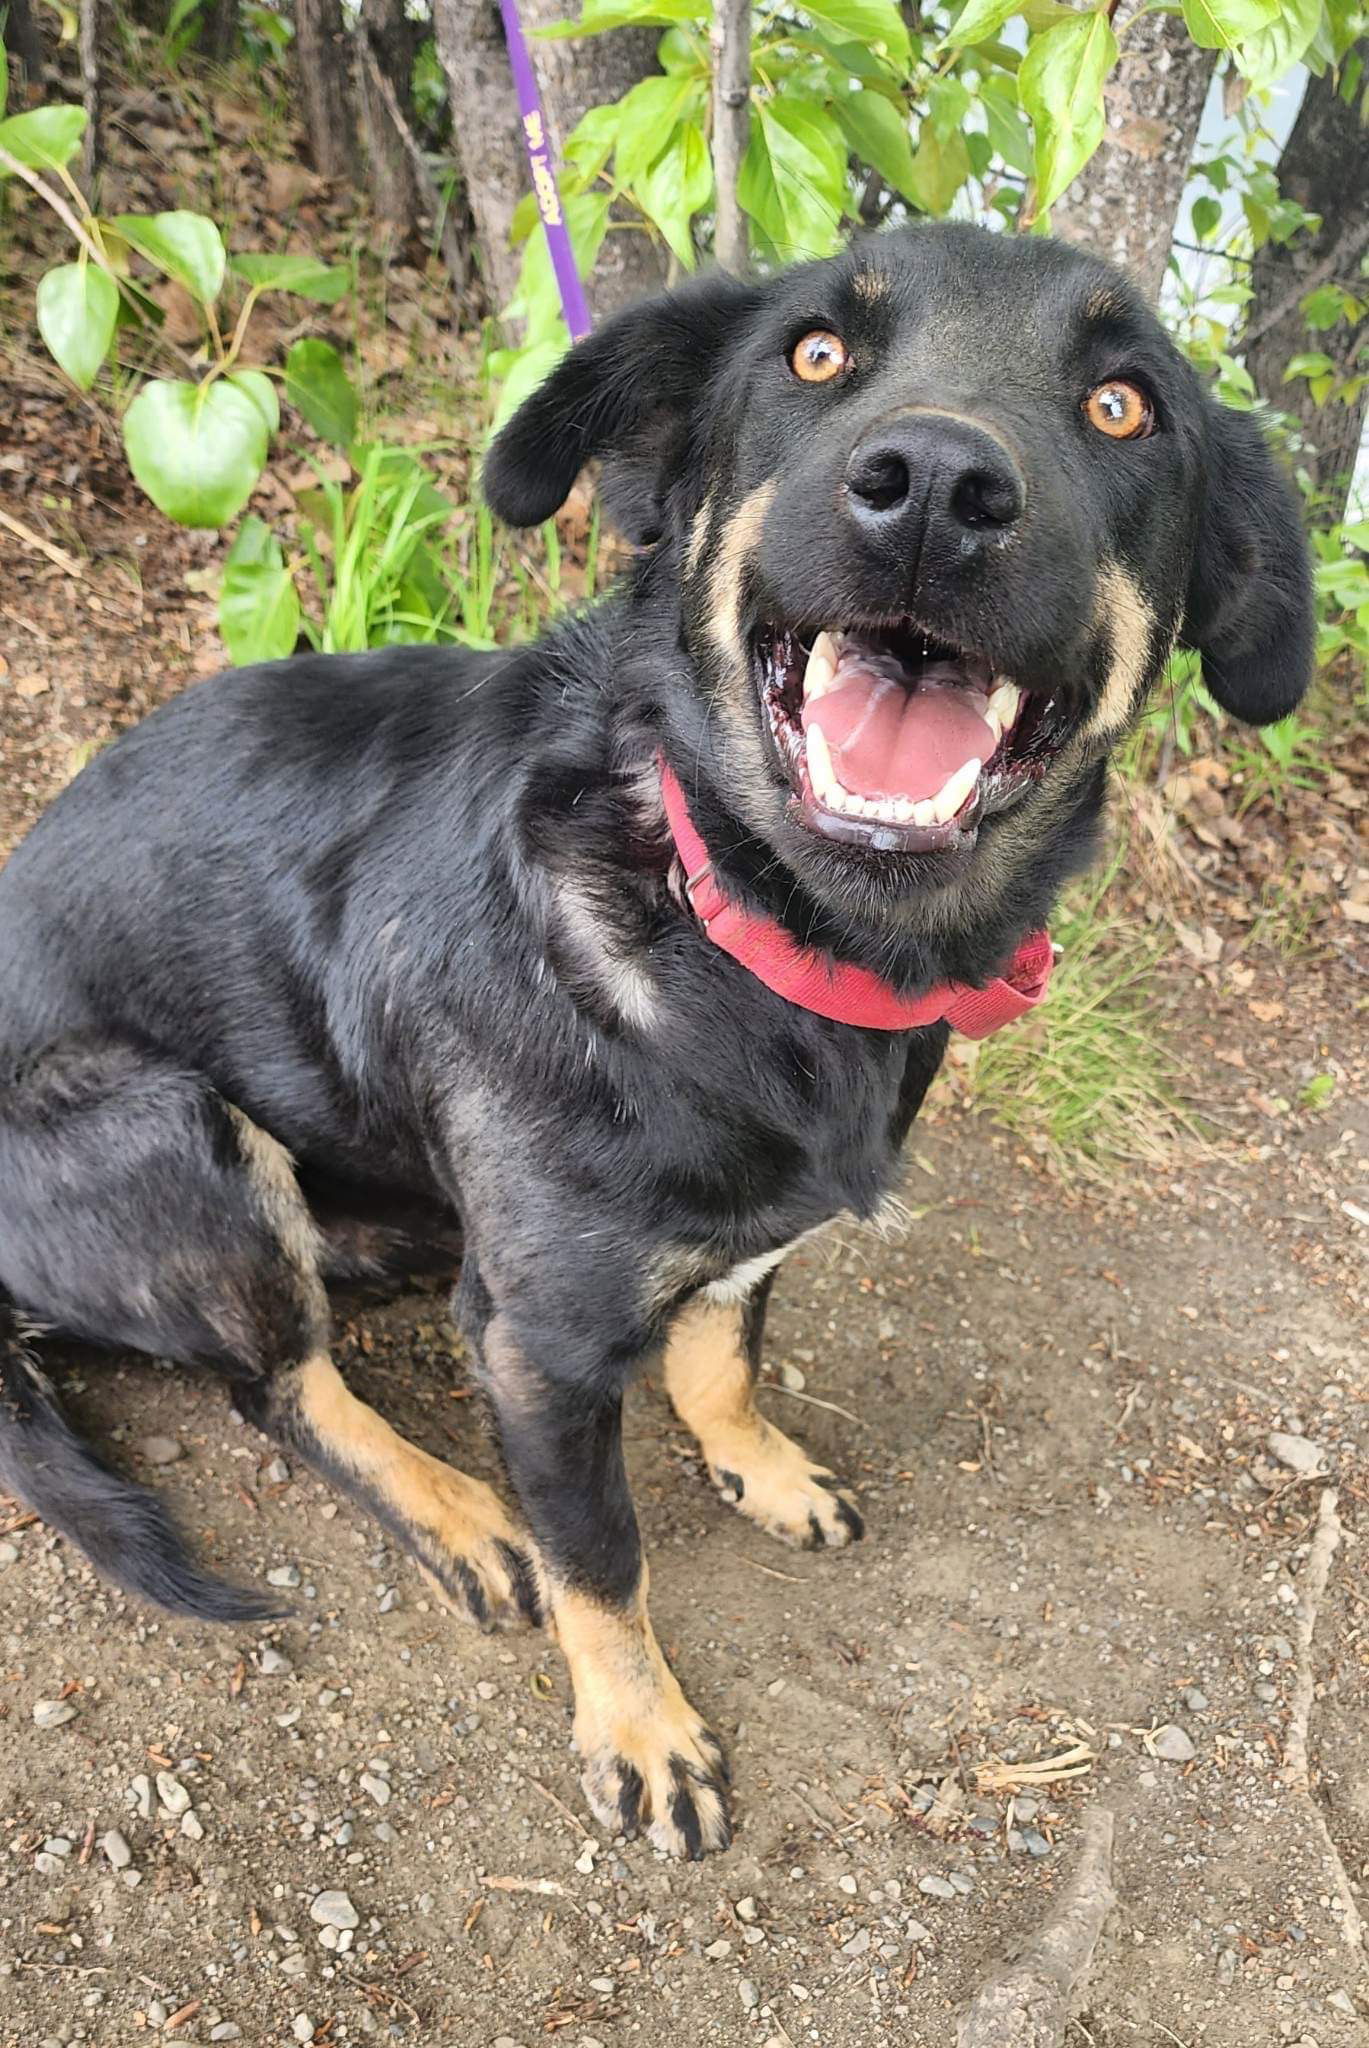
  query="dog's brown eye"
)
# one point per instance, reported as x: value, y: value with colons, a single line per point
x: 819, y: 357
x: 1121, y: 411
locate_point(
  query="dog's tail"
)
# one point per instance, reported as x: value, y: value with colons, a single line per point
x: 125, y: 1531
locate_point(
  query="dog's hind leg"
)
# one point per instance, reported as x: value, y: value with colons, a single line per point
x: 711, y: 1362
x: 139, y: 1208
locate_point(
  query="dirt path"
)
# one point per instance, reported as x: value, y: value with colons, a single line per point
x: 1057, y: 1412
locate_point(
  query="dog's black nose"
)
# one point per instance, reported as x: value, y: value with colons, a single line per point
x: 929, y: 477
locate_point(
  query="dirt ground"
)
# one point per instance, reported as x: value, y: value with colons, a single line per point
x: 1057, y: 1407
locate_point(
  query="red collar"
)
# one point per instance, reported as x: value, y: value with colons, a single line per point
x: 849, y: 995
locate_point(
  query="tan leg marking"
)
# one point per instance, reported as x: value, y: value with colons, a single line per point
x: 650, y: 1761
x: 460, y: 1532
x: 753, y: 1465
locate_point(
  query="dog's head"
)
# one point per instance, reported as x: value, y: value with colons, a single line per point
x: 925, y: 521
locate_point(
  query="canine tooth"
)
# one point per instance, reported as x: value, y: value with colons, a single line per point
x: 821, y: 773
x: 821, y: 671
x: 1003, y: 706
x: 952, y: 794
x: 924, y: 812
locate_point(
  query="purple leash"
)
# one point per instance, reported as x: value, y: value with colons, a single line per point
x: 543, y: 176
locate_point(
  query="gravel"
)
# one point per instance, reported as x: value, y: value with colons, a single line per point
x: 1299, y: 1453
x: 161, y: 1450
x: 937, y: 1887
x: 1172, y: 1745
x: 115, y: 1847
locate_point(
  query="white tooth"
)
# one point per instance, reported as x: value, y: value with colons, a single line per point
x: 821, y: 773
x: 903, y: 810
x: 924, y: 812
x: 1003, y: 706
x: 820, y: 673
x: 953, y: 793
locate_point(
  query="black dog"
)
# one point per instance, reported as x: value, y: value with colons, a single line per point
x: 338, y: 962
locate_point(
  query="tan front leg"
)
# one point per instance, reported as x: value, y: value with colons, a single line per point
x: 711, y: 1384
x: 457, y: 1529
x: 650, y: 1761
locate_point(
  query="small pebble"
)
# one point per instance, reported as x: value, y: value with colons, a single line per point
x: 283, y: 1575
x: 48, y: 1865
x: 1341, y: 2001
x: 1195, y: 1701
x: 1299, y: 1453
x: 161, y: 1450
x: 962, y: 1881
x: 302, y: 2027
x: 226, y: 2030
x: 716, y: 1950
x: 116, y: 1849
x: 192, y: 1827
x: 847, y: 1885
x: 749, y: 1995
x: 9, y: 1553
x: 172, y: 1794
x: 277, y: 1473
x: 334, y: 1909
x: 274, y: 1663
x: 376, y: 1788
x: 936, y: 1887
x: 53, y: 1713
x: 745, y: 1909
x: 1172, y: 1745
x: 857, y: 1945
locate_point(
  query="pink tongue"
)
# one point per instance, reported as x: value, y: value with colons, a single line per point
x: 890, y: 742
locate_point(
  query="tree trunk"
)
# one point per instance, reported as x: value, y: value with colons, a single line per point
x: 1125, y: 201
x: 1325, y: 167
x: 731, y: 40
x: 589, y: 72
x: 218, y: 30
x: 393, y: 181
x: 326, y: 88
x: 92, y: 94
x: 21, y: 34
x: 489, y: 137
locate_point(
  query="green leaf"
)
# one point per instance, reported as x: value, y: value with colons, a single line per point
x: 793, y: 178
x: 1221, y: 24
x: 1008, y: 132
x: 325, y: 283
x: 646, y: 116
x: 1060, y: 86
x: 1326, y: 306
x: 317, y: 386
x: 1310, y: 364
x: 1207, y: 217
x: 588, y: 146
x: 43, y: 138
x: 78, y: 304
x: 878, y: 135
x: 865, y: 21
x: 186, y: 246
x: 678, y: 185
x: 1274, y: 51
x: 262, y: 392
x: 977, y: 21
x: 940, y: 168
x: 259, y: 611
x: 196, y: 449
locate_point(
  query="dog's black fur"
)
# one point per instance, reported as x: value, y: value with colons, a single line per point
x: 410, y: 914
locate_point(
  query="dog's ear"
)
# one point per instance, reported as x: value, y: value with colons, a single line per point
x: 1249, y: 609
x: 627, y: 391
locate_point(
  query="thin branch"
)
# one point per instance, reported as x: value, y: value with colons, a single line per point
x: 1349, y: 245
x: 730, y: 37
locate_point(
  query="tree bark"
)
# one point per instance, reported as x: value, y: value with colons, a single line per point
x: 489, y: 138
x: 218, y: 30
x: 92, y: 93
x: 731, y: 40
x: 1125, y: 201
x: 388, y: 49
x: 21, y: 34
x: 326, y: 88
x: 575, y: 76
x: 1325, y: 167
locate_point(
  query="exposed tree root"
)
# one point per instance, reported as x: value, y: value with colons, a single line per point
x: 1026, y: 2003
x: 1296, y: 1768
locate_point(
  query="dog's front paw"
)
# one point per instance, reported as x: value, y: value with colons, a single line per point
x: 771, y: 1479
x: 478, y: 1559
x: 664, y: 1774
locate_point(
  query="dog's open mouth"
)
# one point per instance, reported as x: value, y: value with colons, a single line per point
x: 897, y: 742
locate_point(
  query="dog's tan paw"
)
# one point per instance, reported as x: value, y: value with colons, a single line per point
x: 771, y: 1479
x: 482, y: 1567
x: 665, y: 1776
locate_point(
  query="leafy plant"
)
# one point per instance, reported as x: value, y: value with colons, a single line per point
x: 196, y: 444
